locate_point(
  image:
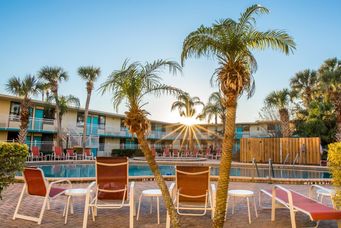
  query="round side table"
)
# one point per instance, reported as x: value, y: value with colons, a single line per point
x: 322, y: 193
x: 150, y: 193
x: 243, y: 194
x: 71, y: 193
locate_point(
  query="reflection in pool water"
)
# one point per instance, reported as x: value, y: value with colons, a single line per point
x: 88, y: 170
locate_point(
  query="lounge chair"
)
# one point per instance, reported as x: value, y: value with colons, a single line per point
x: 297, y: 202
x: 207, y: 153
x: 186, y: 153
x: 196, y: 152
x: 36, y: 154
x: 37, y: 185
x: 166, y: 152
x: 154, y: 154
x: 70, y: 154
x: 218, y: 153
x: 176, y: 153
x: 58, y: 153
x: 87, y: 154
x: 192, y: 191
x: 112, y: 190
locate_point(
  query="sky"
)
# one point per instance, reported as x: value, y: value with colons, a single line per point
x: 74, y: 33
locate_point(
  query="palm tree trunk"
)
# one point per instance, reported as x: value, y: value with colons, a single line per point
x: 159, y: 180
x: 87, y: 103
x: 225, y: 164
x: 24, y: 120
x: 338, y: 120
x: 190, y: 134
x: 58, y: 119
x: 284, y: 117
x: 216, y: 131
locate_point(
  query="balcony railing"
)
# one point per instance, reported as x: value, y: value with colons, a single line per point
x: 35, y: 124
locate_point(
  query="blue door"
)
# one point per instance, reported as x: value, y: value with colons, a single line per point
x: 94, y: 126
x: 38, y: 119
x: 88, y: 125
x: 37, y: 141
x: 30, y: 119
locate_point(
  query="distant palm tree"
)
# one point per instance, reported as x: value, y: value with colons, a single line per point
x: 186, y: 107
x: 330, y: 87
x: 231, y: 42
x: 26, y: 88
x: 214, y: 109
x: 90, y: 75
x: 132, y: 83
x: 304, y: 85
x: 52, y: 76
x: 281, y: 100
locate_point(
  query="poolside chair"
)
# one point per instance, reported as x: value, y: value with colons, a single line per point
x: 192, y: 191
x: 218, y: 153
x: 58, y: 153
x: 37, y: 185
x: 87, y: 154
x: 70, y: 154
x: 154, y: 154
x: 297, y: 202
x: 36, y: 154
x: 207, y: 153
x: 196, y: 152
x: 186, y: 153
x: 176, y: 153
x: 166, y: 152
x: 112, y: 188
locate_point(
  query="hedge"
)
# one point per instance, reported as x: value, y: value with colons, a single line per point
x: 334, y: 163
x: 12, y: 159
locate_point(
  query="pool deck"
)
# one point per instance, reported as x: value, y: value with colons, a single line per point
x: 120, y: 217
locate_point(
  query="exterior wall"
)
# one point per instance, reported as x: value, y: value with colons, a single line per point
x: 3, y: 135
x: 70, y: 119
x: 113, y: 124
x: 259, y: 130
x: 4, y: 112
x: 110, y: 144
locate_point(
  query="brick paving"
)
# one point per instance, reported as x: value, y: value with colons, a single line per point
x: 120, y: 217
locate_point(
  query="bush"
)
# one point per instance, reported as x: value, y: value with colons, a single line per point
x: 334, y: 162
x: 12, y: 159
x: 127, y: 153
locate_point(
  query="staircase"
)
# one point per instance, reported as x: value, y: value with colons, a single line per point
x: 72, y: 137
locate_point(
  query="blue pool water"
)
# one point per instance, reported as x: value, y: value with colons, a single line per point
x: 88, y: 170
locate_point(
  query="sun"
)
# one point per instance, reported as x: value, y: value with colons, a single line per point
x: 188, y: 121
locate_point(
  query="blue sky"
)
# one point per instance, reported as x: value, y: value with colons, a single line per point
x: 104, y: 33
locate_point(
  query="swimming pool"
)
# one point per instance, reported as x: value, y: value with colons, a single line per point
x: 74, y: 170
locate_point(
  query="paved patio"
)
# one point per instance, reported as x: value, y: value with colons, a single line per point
x: 120, y: 217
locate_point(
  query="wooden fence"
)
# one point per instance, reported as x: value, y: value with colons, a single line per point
x: 280, y: 150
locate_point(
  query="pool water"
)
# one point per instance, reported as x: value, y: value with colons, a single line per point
x: 88, y: 170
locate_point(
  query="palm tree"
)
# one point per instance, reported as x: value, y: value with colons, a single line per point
x: 132, y: 83
x: 214, y: 109
x: 90, y: 75
x: 26, y: 88
x: 280, y: 100
x: 330, y: 87
x: 231, y: 43
x: 304, y: 84
x: 186, y: 106
x: 52, y: 77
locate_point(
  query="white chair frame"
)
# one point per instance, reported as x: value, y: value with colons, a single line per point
x: 47, y: 199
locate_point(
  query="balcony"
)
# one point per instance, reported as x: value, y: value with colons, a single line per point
x: 41, y: 125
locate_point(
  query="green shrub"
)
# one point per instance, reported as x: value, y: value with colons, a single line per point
x: 12, y: 159
x: 334, y: 162
x: 127, y: 153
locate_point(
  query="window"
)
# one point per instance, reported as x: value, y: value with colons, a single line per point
x: 14, y: 111
x: 246, y: 128
x: 271, y: 127
x: 123, y: 127
x: 49, y: 113
x: 80, y: 119
x: 101, y: 122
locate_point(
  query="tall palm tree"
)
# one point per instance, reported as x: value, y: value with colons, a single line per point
x: 232, y: 42
x: 304, y: 85
x: 132, y: 83
x: 26, y: 88
x: 186, y: 107
x: 280, y: 100
x: 52, y: 77
x: 330, y: 87
x: 214, y: 109
x: 90, y: 75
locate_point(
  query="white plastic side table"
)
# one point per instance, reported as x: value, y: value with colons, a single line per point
x: 242, y: 194
x: 322, y: 193
x: 71, y: 193
x: 150, y: 193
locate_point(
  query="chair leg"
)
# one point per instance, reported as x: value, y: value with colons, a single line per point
x: 158, y: 212
x: 43, y: 209
x: 248, y: 209
x: 86, y: 211
x: 67, y: 208
x: 151, y: 205
x: 167, y: 220
x: 255, y: 206
x: 138, y: 209
x: 48, y: 204
x: 19, y: 202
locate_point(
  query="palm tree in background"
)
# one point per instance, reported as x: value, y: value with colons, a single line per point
x: 131, y: 84
x: 25, y: 89
x: 231, y: 43
x: 281, y: 100
x: 52, y: 76
x: 186, y: 106
x: 214, y: 109
x: 330, y: 87
x: 65, y: 102
x: 90, y: 75
x: 304, y: 85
